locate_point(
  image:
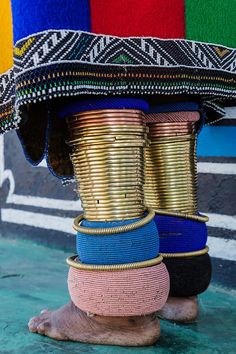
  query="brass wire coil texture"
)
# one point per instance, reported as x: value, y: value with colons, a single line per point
x: 175, y: 129
x: 103, y: 194
x: 104, y: 144
x: 170, y: 171
x: 113, y: 267
x: 172, y: 117
x: 119, y: 203
x: 113, y: 230
x: 186, y: 254
x: 108, y: 159
x: 104, y: 128
x: 106, y: 112
x: 113, y: 216
x: 116, y: 188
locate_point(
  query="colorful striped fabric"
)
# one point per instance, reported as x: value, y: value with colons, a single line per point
x: 88, y: 47
x: 210, y: 21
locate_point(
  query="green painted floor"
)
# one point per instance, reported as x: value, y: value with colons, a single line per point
x: 33, y: 277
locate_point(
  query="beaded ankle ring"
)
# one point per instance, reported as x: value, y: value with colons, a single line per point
x: 130, y: 292
x: 189, y: 276
x: 127, y: 247
x: 180, y: 234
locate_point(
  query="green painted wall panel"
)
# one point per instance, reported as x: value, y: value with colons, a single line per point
x: 211, y: 21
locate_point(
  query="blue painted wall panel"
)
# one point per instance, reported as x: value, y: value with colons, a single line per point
x: 217, y: 141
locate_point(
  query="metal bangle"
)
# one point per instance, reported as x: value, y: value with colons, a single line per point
x: 172, y: 144
x: 201, y: 218
x: 126, y: 189
x: 170, y: 151
x: 109, y: 137
x: 104, y: 111
x: 118, y: 117
x: 168, y: 183
x: 186, y: 254
x: 109, y: 207
x: 112, y: 217
x: 141, y: 143
x: 110, y: 124
x: 153, y: 179
x: 113, y: 230
x: 114, y: 195
x: 162, y: 179
x: 111, y: 185
x: 102, y: 126
x: 176, y: 202
x: 180, y: 193
x: 109, y: 171
x: 185, y: 137
x: 102, y: 159
x: 102, y: 163
x: 116, y: 152
x: 107, y: 212
x: 113, y: 267
x: 109, y: 180
x: 108, y: 151
x: 119, y: 202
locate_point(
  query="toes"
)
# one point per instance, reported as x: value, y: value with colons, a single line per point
x: 35, y: 321
x: 44, y: 328
x: 44, y: 311
x: 32, y: 324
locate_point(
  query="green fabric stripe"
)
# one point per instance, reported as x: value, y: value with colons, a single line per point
x: 212, y: 21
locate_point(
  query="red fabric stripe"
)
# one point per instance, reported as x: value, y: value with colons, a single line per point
x: 157, y: 18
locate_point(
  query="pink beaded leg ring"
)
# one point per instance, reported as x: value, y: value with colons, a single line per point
x: 132, y: 292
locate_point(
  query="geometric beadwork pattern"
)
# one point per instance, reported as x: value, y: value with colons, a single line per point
x: 8, y: 120
x: 58, y: 46
x: 60, y: 63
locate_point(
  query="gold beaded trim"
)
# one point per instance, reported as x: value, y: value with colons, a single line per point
x: 112, y: 230
x: 113, y: 267
x: 185, y: 254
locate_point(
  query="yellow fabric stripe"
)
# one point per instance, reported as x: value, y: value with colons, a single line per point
x: 6, y: 36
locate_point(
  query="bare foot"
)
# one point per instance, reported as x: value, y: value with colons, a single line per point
x: 70, y: 323
x: 180, y: 309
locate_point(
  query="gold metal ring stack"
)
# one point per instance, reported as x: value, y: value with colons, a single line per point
x: 108, y: 159
x: 170, y: 171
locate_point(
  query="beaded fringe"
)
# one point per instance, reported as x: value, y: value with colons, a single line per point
x: 97, y: 68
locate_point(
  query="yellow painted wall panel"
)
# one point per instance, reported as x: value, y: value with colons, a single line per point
x: 6, y: 37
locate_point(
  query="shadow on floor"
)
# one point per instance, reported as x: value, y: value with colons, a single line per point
x: 33, y: 277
